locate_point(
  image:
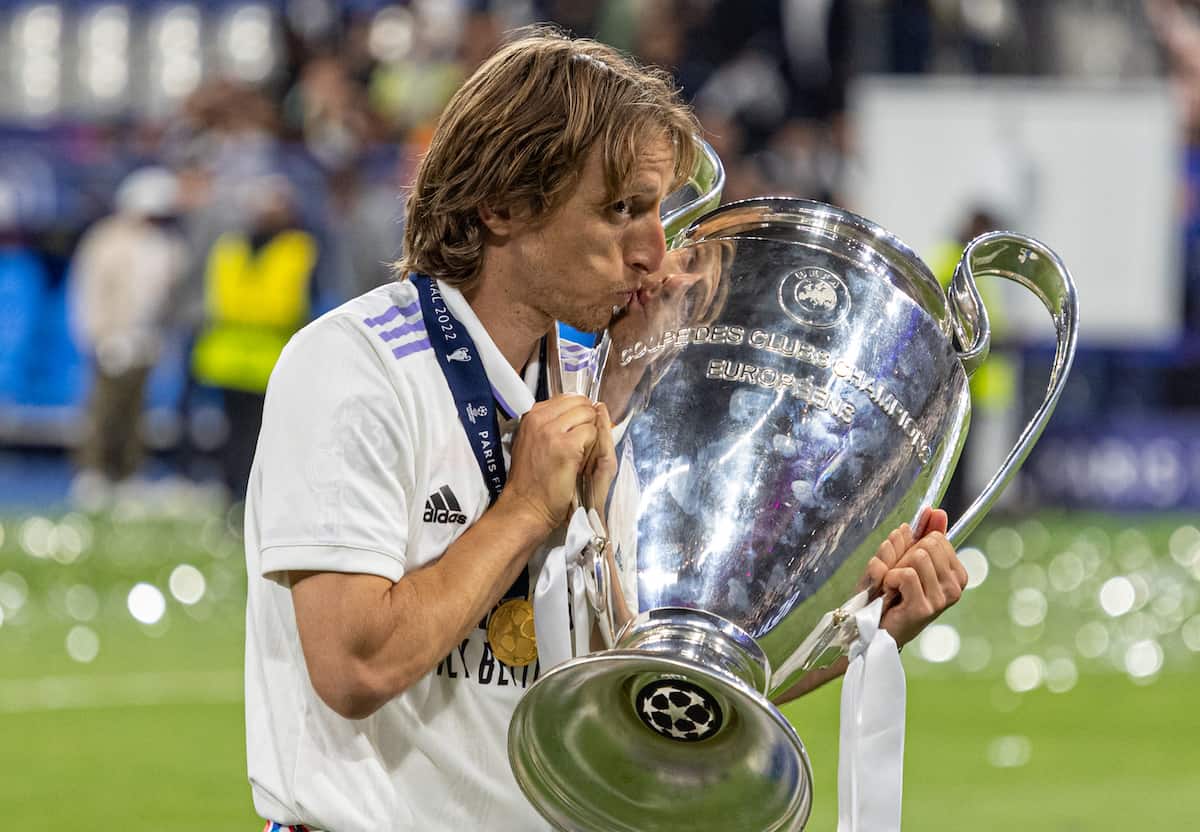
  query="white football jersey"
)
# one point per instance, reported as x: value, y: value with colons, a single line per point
x: 362, y: 466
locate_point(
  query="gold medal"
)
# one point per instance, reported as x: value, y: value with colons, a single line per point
x: 510, y: 633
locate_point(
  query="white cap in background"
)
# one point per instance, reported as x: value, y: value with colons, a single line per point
x: 148, y: 192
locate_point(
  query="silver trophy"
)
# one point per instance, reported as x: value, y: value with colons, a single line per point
x: 794, y: 389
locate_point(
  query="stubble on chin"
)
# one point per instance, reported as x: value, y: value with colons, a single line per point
x: 594, y: 321
x: 591, y: 320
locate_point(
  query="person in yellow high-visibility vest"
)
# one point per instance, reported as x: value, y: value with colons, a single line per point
x: 258, y: 290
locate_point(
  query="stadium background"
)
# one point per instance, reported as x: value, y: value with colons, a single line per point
x: 1059, y: 695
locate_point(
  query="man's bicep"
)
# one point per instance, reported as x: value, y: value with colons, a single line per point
x: 342, y: 623
x: 336, y: 609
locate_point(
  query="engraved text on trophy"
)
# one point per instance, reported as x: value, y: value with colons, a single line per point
x: 802, y: 387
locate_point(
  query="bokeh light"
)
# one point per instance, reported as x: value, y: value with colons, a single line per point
x: 13, y: 591
x: 976, y: 564
x: 1117, y: 596
x: 1027, y: 607
x: 1028, y: 575
x: 104, y: 54
x: 1191, y: 633
x: 939, y: 643
x: 1004, y: 547
x: 975, y: 654
x: 67, y: 542
x: 1009, y: 751
x: 38, y: 537
x: 247, y: 41
x: 391, y: 36
x: 83, y: 645
x: 1035, y: 537
x: 1143, y: 659
x: 1066, y: 572
x: 1184, y: 545
x: 36, y: 58
x: 186, y: 584
x: 1025, y: 673
x: 1092, y: 640
x: 1061, y: 674
x: 146, y: 603
x: 82, y: 602
x: 1167, y: 599
x: 177, y: 60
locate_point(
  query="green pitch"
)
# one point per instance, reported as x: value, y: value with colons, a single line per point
x: 1061, y: 694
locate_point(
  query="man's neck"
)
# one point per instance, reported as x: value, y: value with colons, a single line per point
x: 514, y: 327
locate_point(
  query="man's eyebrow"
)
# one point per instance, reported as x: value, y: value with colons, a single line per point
x: 642, y: 187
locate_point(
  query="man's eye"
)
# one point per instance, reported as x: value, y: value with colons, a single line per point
x: 621, y: 206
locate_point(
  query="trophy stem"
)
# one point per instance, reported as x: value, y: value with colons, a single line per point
x: 700, y: 637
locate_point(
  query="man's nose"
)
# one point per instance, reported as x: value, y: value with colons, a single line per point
x: 648, y: 246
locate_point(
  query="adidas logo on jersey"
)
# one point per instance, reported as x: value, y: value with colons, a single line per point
x: 442, y: 507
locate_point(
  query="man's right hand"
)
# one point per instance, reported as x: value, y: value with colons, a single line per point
x: 553, y: 442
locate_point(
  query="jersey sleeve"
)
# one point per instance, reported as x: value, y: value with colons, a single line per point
x: 335, y: 468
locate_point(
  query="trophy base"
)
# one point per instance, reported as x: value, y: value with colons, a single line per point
x: 635, y: 740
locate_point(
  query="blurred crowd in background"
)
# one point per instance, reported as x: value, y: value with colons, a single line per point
x: 183, y: 184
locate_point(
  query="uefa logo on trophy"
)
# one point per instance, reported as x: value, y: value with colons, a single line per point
x: 813, y: 296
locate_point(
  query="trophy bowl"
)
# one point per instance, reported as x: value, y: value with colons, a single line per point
x: 793, y: 388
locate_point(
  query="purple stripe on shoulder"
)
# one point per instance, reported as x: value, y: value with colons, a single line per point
x: 411, y: 347
x: 387, y: 317
x: 391, y: 314
x: 402, y: 330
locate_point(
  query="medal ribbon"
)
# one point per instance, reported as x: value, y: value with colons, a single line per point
x: 462, y: 367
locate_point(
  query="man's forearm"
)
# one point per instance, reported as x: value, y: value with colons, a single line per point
x: 455, y: 592
x: 367, y: 640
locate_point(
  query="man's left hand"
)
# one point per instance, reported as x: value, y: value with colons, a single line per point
x: 920, y: 579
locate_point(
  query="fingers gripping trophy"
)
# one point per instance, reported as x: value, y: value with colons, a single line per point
x: 795, y: 387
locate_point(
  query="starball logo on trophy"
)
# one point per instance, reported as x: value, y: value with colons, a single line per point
x: 794, y: 388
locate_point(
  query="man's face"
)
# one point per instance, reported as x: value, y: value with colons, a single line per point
x: 596, y: 253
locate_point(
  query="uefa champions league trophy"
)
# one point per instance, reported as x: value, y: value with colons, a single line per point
x: 796, y: 388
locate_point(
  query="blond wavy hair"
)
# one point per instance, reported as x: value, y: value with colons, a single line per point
x: 517, y: 133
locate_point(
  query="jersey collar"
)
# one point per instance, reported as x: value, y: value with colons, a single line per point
x: 513, y: 393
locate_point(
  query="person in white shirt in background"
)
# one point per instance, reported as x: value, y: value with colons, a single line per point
x: 384, y: 525
x: 124, y: 276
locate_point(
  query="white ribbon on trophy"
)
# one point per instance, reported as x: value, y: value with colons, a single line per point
x: 871, y: 744
x: 554, y: 609
x: 871, y: 741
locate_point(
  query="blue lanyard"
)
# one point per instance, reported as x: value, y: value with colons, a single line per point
x: 462, y: 367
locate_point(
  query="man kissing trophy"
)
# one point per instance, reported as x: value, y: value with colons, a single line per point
x: 794, y: 388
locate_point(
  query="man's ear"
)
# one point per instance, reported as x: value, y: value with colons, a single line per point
x: 498, y: 219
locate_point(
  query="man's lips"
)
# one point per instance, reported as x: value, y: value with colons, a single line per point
x: 629, y: 296
x: 624, y: 299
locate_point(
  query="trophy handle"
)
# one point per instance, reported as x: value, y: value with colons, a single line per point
x: 1032, y: 264
x: 706, y: 183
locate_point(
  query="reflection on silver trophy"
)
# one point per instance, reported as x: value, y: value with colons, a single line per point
x: 795, y: 388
